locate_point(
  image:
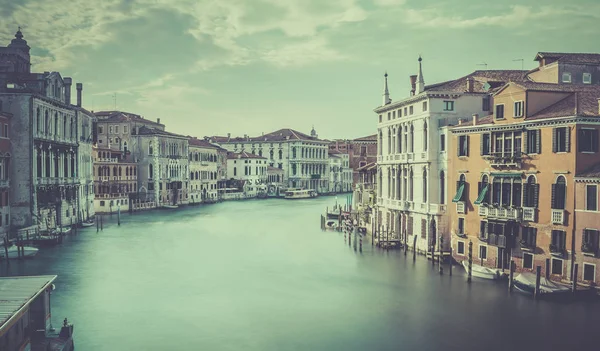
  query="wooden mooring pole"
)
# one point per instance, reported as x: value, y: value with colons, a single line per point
x: 6, y: 250
x: 415, y: 248
x: 547, y: 272
x: 574, y: 285
x: 470, y: 257
x: 102, y: 222
x: 511, y: 275
x: 440, y: 255
x: 538, y: 276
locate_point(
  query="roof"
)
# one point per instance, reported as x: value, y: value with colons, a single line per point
x: 480, y: 121
x: 592, y: 172
x: 274, y: 170
x: 120, y: 116
x: 276, y: 136
x: 243, y: 154
x: 18, y: 292
x: 367, y: 138
x: 367, y: 167
x: 333, y: 152
x: 495, y: 79
x: 192, y: 141
x: 153, y: 131
x: 569, y: 57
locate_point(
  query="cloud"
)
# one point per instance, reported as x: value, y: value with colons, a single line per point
x: 302, y: 53
x: 385, y: 3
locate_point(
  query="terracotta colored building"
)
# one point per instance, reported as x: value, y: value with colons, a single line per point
x: 360, y: 151
x: 512, y: 176
x: 115, y: 180
x: 587, y: 225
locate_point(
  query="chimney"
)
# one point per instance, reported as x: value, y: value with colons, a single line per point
x: 79, y: 89
x: 460, y: 121
x: 228, y: 136
x: 68, y: 82
x: 158, y: 120
x: 475, y: 118
x: 413, y: 84
x: 470, y: 83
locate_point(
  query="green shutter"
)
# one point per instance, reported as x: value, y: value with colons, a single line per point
x: 506, y: 174
x: 482, y: 194
x: 459, y: 193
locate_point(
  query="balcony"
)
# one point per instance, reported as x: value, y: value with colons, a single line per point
x: 556, y: 250
x: 483, y: 211
x: 504, y: 160
x: 589, y: 249
x: 497, y: 212
x: 529, y: 214
x: 527, y: 245
x: 461, y: 207
x: 497, y: 240
x: 483, y: 237
x: 558, y: 216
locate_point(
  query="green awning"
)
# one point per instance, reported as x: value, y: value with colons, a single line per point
x: 482, y: 194
x: 459, y: 193
x: 506, y: 174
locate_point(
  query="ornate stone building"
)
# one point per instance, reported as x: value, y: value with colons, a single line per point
x: 360, y: 151
x: 204, y: 175
x: 115, y: 180
x: 5, y: 155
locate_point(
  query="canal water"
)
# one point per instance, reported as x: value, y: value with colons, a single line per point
x: 261, y: 275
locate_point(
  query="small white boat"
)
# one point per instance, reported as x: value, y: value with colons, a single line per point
x: 64, y: 230
x: 525, y: 283
x: 28, y: 251
x: 300, y: 194
x: 169, y: 206
x: 87, y: 224
x: 481, y: 271
x: 331, y: 224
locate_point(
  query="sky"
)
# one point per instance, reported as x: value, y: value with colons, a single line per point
x: 212, y: 67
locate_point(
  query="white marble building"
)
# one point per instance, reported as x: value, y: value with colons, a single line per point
x: 339, y: 173
x: 412, y: 187
x: 203, y: 162
x: 249, y: 168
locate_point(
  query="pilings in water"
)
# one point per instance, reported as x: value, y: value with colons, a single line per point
x: 574, y: 282
x: 415, y: 248
x: 511, y: 275
x: 470, y: 271
x: 547, y: 272
x: 440, y: 260
x: 538, y: 276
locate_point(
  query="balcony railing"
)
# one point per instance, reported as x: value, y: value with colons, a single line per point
x: 529, y: 214
x: 496, y: 212
x: 505, y: 160
x: 461, y: 207
x: 483, y: 211
x: 589, y: 249
x: 497, y: 240
x: 556, y: 250
x: 558, y: 216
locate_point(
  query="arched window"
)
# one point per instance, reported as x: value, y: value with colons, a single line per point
x: 424, y: 185
x: 55, y: 123
x: 411, y: 186
x: 114, y: 171
x: 442, y: 187
x: 271, y: 154
x: 280, y: 154
x: 125, y: 148
x: 412, y: 138
x: 530, y: 192
x: 127, y: 171
x: 389, y: 141
x: 150, y: 148
x: 120, y: 171
x: 46, y: 123
x: 559, y: 193
x: 38, y: 121
x: 425, y: 137
x: 150, y: 171
x: 399, y: 140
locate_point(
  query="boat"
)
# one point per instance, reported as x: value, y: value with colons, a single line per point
x: 300, y: 194
x: 331, y: 224
x: 482, y: 272
x: 28, y: 251
x: 169, y: 206
x: 525, y: 283
x: 88, y: 223
x: 46, y: 240
x: 61, y: 231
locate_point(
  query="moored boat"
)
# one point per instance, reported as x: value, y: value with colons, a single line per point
x: 169, y: 206
x: 482, y: 272
x: 46, y: 240
x: 87, y: 223
x: 525, y: 283
x: 13, y: 252
x: 292, y: 194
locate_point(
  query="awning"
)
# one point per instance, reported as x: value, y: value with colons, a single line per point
x: 506, y: 174
x: 482, y: 194
x: 459, y: 193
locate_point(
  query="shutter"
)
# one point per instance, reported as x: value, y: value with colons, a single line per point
x: 567, y: 139
x: 526, y: 195
x: 554, y: 140
x: 533, y: 236
x: 595, y: 140
x: 467, y: 145
x: 525, y: 142
x: 481, y: 144
x: 478, y: 188
x: 458, y: 145
x: 536, y: 195
x: 553, y: 201
x: 482, y: 227
x: 538, y: 141
x: 580, y: 140
x: 465, y: 196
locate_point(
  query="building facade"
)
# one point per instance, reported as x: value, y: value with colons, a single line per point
x: 514, y: 192
x: 303, y: 158
x: 45, y: 156
x: 587, y: 225
x: 339, y: 173
x: 163, y: 174
x: 204, y: 172
x: 360, y: 151
x: 115, y: 180
x: 5, y: 165
x: 249, y: 168
x: 412, y: 153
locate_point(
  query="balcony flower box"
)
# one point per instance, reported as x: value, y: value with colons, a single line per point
x: 526, y: 246
x: 555, y: 250
x: 588, y: 249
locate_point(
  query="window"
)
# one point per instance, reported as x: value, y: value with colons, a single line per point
x: 460, y: 249
x: 448, y: 105
x: 559, y: 193
x: 389, y: 115
x: 110, y: 129
x: 442, y: 188
x: 527, y: 260
x: 399, y: 112
x: 125, y: 129
x: 463, y: 145
x: 587, y: 140
x: 424, y: 106
x: 483, y: 232
x: 485, y: 144
x: 532, y: 142
x: 423, y: 228
x: 557, y: 266
x: 531, y: 192
x: 590, y: 243
x: 591, y: 197
x: 425, y: 137
x: 566, y: 77
x: 559, y: 238
x: 483, y: 191
x: 406, y: 111
x: 102, y: 203
x: 589, y: 272
x: 485, y: 103
x: 116, y: 129
x: 560, y: 139
x: 587, y: 78
x: 461, y: 226
x: 518, y: 109
x: 235, y: 171
x: 529, y: 237
x: 483, y: 252
x: 5, y: 131
x: 410, y: 110
x: 442, y: 142
x: 499, y: 111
